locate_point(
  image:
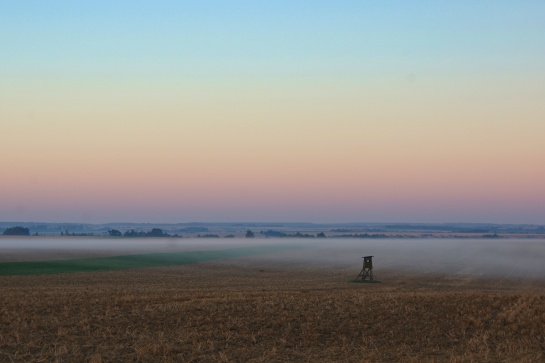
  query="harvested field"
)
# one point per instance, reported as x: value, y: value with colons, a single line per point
x: 257, y: 309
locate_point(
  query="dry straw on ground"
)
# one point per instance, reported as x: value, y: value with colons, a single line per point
x: 239, y: 311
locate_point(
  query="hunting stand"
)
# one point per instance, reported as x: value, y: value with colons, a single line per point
x: 366, y: 272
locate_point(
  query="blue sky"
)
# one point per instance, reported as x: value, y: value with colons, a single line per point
x: 269, y: 38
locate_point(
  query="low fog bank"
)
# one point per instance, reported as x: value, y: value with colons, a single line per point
x: 473, y: 257
x: 476, y: 257
x: 48, y: 248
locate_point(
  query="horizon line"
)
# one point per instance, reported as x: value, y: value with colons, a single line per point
x: 271, y: 222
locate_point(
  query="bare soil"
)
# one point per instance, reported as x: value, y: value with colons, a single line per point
x: 252, y: 311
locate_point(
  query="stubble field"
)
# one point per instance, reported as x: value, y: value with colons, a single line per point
x: 258, y: 311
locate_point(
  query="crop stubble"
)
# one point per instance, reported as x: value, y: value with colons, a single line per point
x: 246, y: 311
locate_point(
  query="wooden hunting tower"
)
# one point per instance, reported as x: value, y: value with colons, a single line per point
x: 366, y: 272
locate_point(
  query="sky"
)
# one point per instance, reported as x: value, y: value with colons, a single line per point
x: 279, y: 111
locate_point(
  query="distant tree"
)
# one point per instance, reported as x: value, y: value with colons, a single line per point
x: 321, y: 235
x: 17, y: 231
x: 250, y: 234
x: 300, y: 235
x: 131, y: 233
x: 157, y: 232
x: 271, y: 233
x: 114, y: 233
x: 230, y: 236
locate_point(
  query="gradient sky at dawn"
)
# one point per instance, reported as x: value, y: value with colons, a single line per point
x: 320, y: 111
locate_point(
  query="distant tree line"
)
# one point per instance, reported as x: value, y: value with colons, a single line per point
x: 17, y: 231
x: 115, y: 233
x: 375, y: 235
x: 271, y: 233
x: 155, y: 232
x: 73, y: 234
x: 366, y: 235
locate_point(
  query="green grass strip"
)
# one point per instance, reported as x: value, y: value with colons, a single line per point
x: 113, y: 263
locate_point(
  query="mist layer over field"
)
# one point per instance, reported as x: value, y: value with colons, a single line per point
x: 473, y: 257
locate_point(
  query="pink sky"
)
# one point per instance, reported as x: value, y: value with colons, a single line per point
x: 396, y: 115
